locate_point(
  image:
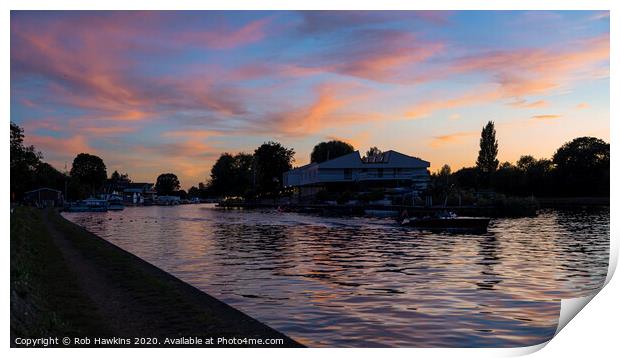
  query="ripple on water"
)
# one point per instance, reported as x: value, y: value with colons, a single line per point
x: 367, y: 282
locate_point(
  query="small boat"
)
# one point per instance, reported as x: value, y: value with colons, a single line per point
x: 115, y: 203
x: 381, y: 213
x: 448, y: 222
x: 89, y: 205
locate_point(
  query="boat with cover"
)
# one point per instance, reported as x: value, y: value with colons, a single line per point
x: 447, y: 221
x: 89, y: 205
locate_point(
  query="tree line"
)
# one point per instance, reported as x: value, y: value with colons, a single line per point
x: 580, y: 167
x: 87, y: 176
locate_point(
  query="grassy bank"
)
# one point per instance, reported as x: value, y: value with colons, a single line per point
x: 67, y: 282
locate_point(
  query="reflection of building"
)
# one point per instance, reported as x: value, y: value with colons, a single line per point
x: 44, y: 197
x: 350, y: 172
x: 139, y: 193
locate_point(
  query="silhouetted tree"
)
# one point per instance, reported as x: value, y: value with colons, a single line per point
x: 232, y: 175
x: 193, y: 192
x: 329, y: 150
x: 88, y: 171
x: 487, y: 156
x: 582, y: 167
x: 167, y: 184
x: 467, y: 178
x: 373, y: 151
x: 442, y: 181
x: 24, y: 161
x: 48, y: 177
x: 509, y: 179
x: 271, y: 161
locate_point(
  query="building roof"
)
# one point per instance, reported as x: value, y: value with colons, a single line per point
x: 388, y: 159
x: 40, y: 189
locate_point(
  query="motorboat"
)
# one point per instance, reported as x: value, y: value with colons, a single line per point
x: 89, y: 205
x: 115, y: 203
x: 448, y: 222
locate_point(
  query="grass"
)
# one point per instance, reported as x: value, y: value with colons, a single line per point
x: 99, y: 290
x: 45, y: 297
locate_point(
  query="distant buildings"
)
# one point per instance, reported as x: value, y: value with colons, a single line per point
x: 389, y: 169
x: 44, y: 198
x: 139, y: 193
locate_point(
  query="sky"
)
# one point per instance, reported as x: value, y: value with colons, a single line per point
x: 157, y: 92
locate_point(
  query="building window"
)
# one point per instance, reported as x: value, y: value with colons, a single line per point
x: 348, y: 174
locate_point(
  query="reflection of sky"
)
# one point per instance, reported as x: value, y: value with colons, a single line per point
x: 337, y: 281
x: 154, y: 92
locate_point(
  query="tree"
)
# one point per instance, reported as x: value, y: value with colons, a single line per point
x: 193, y: 192
x: 467, y: 178
x: 536, y: 175
x: 442, y: 181
x: 47, y: 176
x: 487, y: 156
x: 117, y: 177
x: 329, y: 150
x: 373, y: 151
x: 582, y: 167
x: 89, y: 171
x: 271, y: 161
x: 232, y: 175
x: 221, y: 174
x: 24, y: 161
x: 167, y: 183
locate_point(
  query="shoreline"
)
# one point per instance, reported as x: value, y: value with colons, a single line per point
x: 68, y: 282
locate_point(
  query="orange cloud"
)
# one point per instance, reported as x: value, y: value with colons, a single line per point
x: 583, y: 105
x: 525, y: 104
x: 331, y: 108
x: 99, y: 131
x: 198, y: 133
x: 546, y: 116
x: 451, y: 138
x: 55, y: 148
x: 425, y: 109
x: 357, y: 141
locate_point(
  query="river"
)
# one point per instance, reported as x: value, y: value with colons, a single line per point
x: 366, y: 282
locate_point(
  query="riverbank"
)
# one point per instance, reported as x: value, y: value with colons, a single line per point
x: 67, y: 282
x: 573, y: 202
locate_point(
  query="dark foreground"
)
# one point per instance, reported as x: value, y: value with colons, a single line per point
x: 68, y: 285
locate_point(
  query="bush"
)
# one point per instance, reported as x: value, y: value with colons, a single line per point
x: 515, y: 206
x: 344, y: 198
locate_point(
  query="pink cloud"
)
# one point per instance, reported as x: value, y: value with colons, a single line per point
x: 379, y: 55
x: 526, y: 72
x: 251, y: 32
x: 60, y: 147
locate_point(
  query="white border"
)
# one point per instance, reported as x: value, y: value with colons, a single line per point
x: 594, y: 329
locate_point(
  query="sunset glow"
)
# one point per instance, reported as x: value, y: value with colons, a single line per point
x: 157, y: 92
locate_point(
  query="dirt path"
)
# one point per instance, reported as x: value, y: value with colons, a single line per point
x: 115, y: 306
x: 136, y: 299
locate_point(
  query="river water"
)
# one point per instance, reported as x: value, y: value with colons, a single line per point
x: 363, y: 282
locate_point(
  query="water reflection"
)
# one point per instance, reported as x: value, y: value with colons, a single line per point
x: 367, y: 282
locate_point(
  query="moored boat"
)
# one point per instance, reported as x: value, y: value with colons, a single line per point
x: 449, y: 222
x: 115, y: 202
x: 89, y: 205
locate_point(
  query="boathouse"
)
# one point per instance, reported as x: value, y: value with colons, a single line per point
x: 389, y: 169
x: 44, y: 198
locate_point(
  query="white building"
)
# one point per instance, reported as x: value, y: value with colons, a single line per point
x: 389, y: 169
